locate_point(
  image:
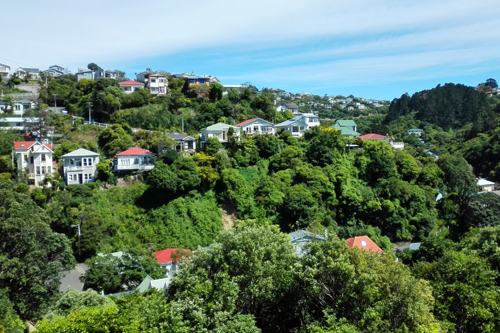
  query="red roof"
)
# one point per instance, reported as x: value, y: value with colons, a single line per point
x: 165, y: 256
x: 27, y: 144
x: 246, y: 122
x: 134, y: 151
x: 130, y: 83
x: 372, y: 136
x: 364, y: 243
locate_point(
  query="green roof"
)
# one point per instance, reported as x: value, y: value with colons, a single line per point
x: 144, y: 284
x: 415, y: 130
x: 344, y: 131
x: 346, y: 123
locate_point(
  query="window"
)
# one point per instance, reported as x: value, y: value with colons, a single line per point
x: 161, y: 80
x: 90, y: 176
x: 18, y: 107
x: 72, y: 161
x: 90, y: 161
x: 70, y: 177
x: 86, y: 177
x: 84, y: 162
x: 125, y: 162
x: 31, y: 158
x: 25, y: 158
x: 78, y: 162
x: 37, y: 170
x: 295, y: 129
x: 43, y: 157
x: 136, y: 160
x: 363, y: 243
x: 193, y: 81
x: 43, y: 170
x: 153, y: 80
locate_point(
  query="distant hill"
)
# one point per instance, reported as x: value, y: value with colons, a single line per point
x: 448, y: 106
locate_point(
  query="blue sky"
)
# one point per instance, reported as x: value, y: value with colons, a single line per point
x: 372, y: 48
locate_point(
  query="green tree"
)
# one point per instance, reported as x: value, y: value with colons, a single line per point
x: 32, y: 255
x: 113, y: 140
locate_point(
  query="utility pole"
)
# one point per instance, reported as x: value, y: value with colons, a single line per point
x: 182, y: 124
x: 90, y: 105
x: 79, y: 243
x: 55, y: 102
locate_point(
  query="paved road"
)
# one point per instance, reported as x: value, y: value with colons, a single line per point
x: 72, y: 278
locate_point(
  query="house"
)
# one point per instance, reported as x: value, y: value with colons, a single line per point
x: 219, y: 131
x: 229, y: 87
x: 301, y: 238
x: 347, y: 123
x: 19, y: 106
x: 292, y: 107
x: 486, y: 185
x: 35, y: 159
x: 130, y: 86
x: 345, y: 131
x: 79, y: 166
x: 415, y: 131
x: 373, y: 136
x: 89, y: 74
x: 17, y: 123
x: 134, y: 159
x: 5, y: 72
x: 56, y: 71
x: 31, y: 73
x: 185, y: 143
x: 363, y: 243
x: 169, y: 259
x: 157, y: 84
x: 256, y: 126
x: 299, y: 124
x: 194, y: 79
x: 432, y: 153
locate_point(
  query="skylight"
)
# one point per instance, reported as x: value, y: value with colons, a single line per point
x: 363, y: 243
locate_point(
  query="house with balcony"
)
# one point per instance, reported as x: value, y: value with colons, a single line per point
x: 219, y: 131
x: 299, y: 124
x: 185, y: 143
x: 194, y: 79
x: 157, y: 84
x: 35, y: 159
x: 345, y: 131
x: 130, y: 86
x: 5, y: 72
x: 56, y: 70
x: 256, y: 126
x: 79, y: 166
x: 134, y: 159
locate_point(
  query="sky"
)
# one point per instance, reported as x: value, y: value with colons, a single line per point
x: 377, y: 49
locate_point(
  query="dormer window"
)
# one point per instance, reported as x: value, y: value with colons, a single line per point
x: 363, y: 243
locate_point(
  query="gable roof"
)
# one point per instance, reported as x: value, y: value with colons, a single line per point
x: 484, y: 182
x: 346, y: 123
x: 220, y: 127
x: 80, y: 152
x: 363, y: 243
x: 372, y: 136
x: 135, y: 151
x: 345, y: 131
x: 179, y: 136
x: 29, y: 144
x: 252, y: 120
x: 165, y: 256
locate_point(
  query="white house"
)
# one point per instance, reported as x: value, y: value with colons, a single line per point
x: 89, y: 74
x: 299, y: 124
x: 17, y: 123
x: 84, y: 73
x: 157, y: 84
x: 20, y: 106
x: 486, y: 185
x: 35, y: 159
x: 5, y: 72
x: 256, y: 126
x: 219, y: 131
x: 130, y: 86
x: 134, y: 159
x: 185, y: 143
x: 80, y: 166
x: 33, y: 73
x: 292, y: 107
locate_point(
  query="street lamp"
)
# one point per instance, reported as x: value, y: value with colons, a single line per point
x: 79, y: 234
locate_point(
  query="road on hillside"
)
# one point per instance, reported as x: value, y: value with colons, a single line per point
x: 72, y: 278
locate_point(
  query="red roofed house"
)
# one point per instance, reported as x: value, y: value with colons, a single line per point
x: 256, y: 126
x: 363, y: 243
x: 130, y: 86
x: 372, y: 136
x: 169, y: 258
x: 35, y: 159
x: 134, y: 159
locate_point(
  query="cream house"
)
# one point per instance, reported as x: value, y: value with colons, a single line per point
x: 80, y: 166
